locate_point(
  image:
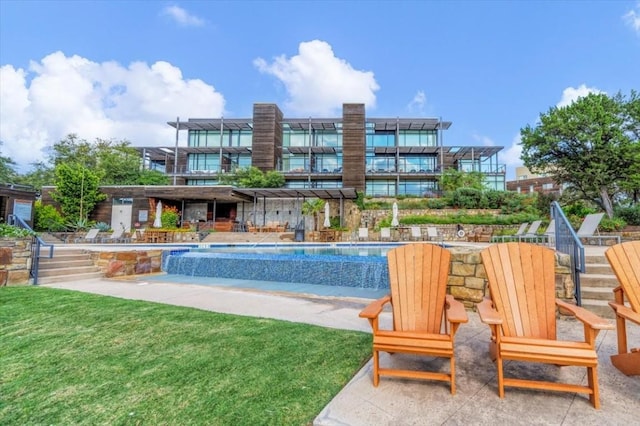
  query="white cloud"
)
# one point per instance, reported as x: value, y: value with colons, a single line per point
x: 632, y: 18
x: 182, y: 17
x: 571, y: 94
x: 317, y: 82
x: 484, y: 140
x: 62, y: 95
x: 418, y: 102
x: 511, y: 155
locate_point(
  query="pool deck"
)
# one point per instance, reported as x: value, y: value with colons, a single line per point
x: 407, y: 402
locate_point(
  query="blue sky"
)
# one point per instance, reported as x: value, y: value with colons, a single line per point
x: 122, y: 69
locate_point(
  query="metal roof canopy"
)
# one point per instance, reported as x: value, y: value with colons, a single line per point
x: 213, y: 124
x: 389, y: 124
x: 322, y: 193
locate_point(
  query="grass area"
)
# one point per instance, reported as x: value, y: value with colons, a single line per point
x: 75, y: 358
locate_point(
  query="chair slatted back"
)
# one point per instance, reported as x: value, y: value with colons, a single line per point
x: 418, y: 275
x: 92, y: 234
x: 589, y: 225
x: 522, y: 284
x: 625, y: 262
x: 533, y: 229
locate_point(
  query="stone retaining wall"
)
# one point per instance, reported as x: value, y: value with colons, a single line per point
x: 124, y: 263
x: 15, y: 261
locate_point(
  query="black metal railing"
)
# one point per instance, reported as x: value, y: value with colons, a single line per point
x: 35, y: 247
x: 567, y: 241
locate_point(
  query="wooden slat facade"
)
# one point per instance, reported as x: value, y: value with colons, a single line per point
x: 353, y: 146
x: 267, y: 137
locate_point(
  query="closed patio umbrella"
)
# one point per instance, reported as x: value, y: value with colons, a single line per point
x: 327, y: 222
x: 394, y: 219
x: 157, y: 223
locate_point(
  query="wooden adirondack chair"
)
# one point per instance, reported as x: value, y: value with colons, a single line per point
x: 522, y: 317
x: 625, y: 261
x: 425, y: 318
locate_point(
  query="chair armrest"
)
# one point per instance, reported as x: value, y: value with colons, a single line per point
x: 455, y: 310
x: 374, y: 308
x: 587, y: 317
x: 488, y: 314
x: 625, y: 312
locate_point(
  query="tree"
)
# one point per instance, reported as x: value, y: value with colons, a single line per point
x: 453, y: 179
x: 77, y: 191
x: 40, y: 175
x: 7, y: 171
x: 252, y: 177
x: 590, y: 145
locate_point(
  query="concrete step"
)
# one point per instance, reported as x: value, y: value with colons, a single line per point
x: 599, y: 307
x: 596, y: 293
x: 67, y: 271
x: 598, y: 280
x: 598, y: 268
x: 70, y: 277
x: 63, y: 263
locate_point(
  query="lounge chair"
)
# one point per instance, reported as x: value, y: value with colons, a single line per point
x: 432, y: 234
x: 520, y: 231
x: 522, y: 317
x: 91, y: 237
x: 531, y: 233
x: 363, y: 234
x: 116, y: 236
x: 416, y: 233
x: 421, y: 310
x: 385, y: 234
x: 589, y: 227
x: 625, y: 262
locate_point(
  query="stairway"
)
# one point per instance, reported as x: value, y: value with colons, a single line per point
x: 597, y: 286
x: 67, y: 265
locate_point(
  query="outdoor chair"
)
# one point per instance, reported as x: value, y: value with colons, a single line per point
x: 116, y: 236
x: 520, y: 231
x: 522, y: 317
x: 363, y: 234
x: 589, y: 227
x: 625, y: 262
x: 90, y: 237
x: 432, y: 234
x: 385, y: 234
x: 416, y: 233
x: 425, y: 318
x: 532, y: 233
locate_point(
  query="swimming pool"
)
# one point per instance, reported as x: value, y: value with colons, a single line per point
x: 363, y: 267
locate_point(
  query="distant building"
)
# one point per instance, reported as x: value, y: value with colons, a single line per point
x: 528, y: 183
x: 378, y: 156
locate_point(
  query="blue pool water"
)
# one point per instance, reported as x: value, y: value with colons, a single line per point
x: 352, y: 267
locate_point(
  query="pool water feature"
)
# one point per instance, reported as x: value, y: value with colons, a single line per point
x: 356, y: 267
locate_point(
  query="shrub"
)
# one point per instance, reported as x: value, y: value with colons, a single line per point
x: 170, y: 217
x: 630, y: 214
x: 47, y: 218
x: 14, y: 231
x: 102, y: 226
x: 612, y: 225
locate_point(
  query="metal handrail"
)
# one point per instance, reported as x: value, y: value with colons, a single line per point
x: 35, y: 247
x: 567, y: 241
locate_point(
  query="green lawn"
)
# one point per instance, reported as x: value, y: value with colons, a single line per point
x: 74, y: 358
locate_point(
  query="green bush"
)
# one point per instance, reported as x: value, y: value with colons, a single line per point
x: 467, y: 198
x: 47, y: 218
x: 170, y: 219
x: 612, y: 225
x: 102, y: 226
x: 630, y: 214
x: 14, y: 231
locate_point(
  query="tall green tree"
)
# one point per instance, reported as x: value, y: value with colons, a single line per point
x: 77, y: 191
x: 590, y: 145
x: 7, y: 169
x: 452, y: 179
x: 40, y: 175
x: 252, y: 177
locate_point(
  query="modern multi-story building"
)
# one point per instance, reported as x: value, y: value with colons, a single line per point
x: 380, y: 156
x: 528, y: 183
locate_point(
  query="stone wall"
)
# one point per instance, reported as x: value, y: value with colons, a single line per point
x: 15, y: 261
x: 123, y: 263
x: 468, y: 279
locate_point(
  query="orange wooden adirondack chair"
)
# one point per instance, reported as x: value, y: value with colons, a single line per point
x: 522, y: 316
x: 418, y: 275
x: 625, y: 261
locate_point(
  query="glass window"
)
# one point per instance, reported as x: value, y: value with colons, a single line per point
x: 419, y: 188
x: 381, y: 188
